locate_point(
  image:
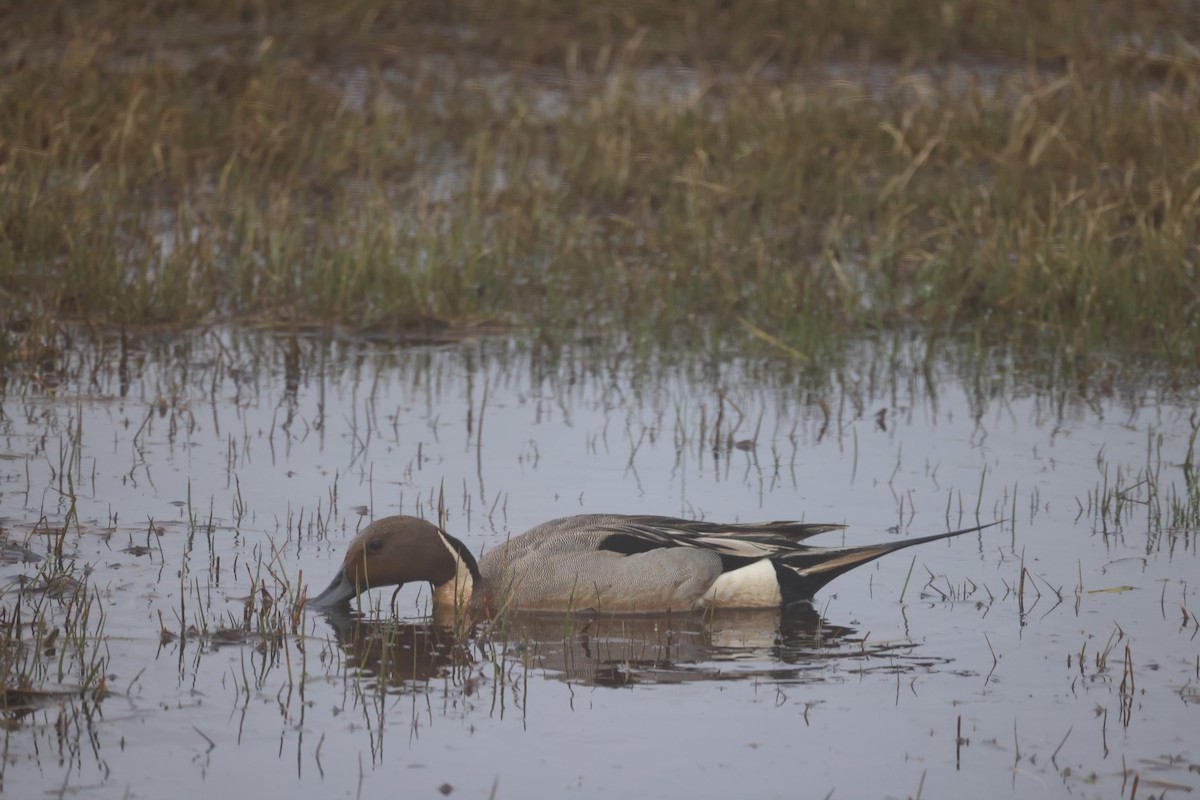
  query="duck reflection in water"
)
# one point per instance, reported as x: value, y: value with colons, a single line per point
x: 597, y: 650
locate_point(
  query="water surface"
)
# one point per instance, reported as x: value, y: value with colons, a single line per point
x: 203, y: 481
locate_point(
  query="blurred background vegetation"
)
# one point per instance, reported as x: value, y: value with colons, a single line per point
x: 777, y: 175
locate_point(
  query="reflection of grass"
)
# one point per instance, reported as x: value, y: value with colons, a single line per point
x: 1022, y: 172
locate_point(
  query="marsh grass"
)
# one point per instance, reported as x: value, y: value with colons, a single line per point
x: 677, y: 172
x: 1146, y: 498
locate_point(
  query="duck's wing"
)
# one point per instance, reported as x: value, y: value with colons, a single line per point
x: 736, y: 544
x: 741, y: 541
x: 628, y: 564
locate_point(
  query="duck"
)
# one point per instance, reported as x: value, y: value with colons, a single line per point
x: 603, y: 564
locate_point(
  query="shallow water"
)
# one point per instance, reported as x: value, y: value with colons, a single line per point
x: 203, y: 481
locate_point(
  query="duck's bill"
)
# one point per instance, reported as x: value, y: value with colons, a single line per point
x: 338, y: 592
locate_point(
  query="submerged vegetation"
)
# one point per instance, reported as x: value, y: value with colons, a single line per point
x: 1025, y: 172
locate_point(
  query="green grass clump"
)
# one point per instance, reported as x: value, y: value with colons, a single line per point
x: 1027, y: 172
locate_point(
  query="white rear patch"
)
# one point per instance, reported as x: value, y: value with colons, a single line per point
x: 752, y: 586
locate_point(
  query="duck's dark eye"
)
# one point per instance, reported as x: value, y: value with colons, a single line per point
x: 374, y: 546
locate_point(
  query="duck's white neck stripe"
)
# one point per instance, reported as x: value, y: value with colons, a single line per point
x: 456, y: 592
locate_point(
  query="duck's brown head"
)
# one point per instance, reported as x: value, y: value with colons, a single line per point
x: 397, y: 550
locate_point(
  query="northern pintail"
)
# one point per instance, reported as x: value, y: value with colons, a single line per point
x: 603, y: 563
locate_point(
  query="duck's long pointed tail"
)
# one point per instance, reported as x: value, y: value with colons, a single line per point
x: 802, y: 573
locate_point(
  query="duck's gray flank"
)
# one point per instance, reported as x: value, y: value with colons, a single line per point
x: 606, y: 563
